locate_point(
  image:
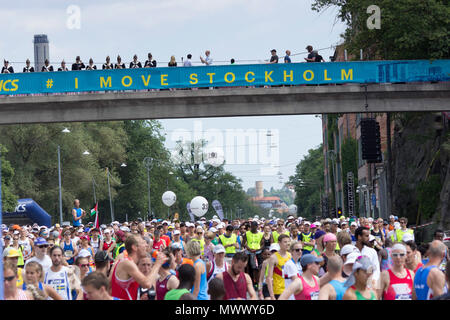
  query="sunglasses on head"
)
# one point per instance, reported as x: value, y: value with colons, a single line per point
x: 9, y: 278
x: 395, y: 255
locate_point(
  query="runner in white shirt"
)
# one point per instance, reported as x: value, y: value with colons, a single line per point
x: 293, y: 269
x: 40, y: 254
x: 362, y: 235
x: 57, y: 275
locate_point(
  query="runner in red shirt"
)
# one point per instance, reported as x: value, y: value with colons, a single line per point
x: 397, y: 283
x: 126, y: 277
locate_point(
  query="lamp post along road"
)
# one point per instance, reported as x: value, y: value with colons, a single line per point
x: 110, y: 200
x: 147, y: 163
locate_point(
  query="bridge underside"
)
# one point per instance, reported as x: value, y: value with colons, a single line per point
x: 225, y: 102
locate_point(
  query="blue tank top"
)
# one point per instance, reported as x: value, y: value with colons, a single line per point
x: 423, y: 292
x: 339, y: 288
x: 78, y: 222
x: 68, y: 247
x: 203, y: 292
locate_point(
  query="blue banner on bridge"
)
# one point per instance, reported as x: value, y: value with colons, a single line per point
x: 226, y: 76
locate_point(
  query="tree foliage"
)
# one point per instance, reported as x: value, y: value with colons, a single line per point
x: 308, y: 182
x: 410, y: 29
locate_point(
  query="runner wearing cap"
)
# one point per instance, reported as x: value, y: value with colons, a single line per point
x: 357, y: 283
x: 397, y: 283
x: 40, y: 254
x: 275, y: 276
x: 218, y: 264
x: 329, y: 240
x: 177, y: 239
x: 429, y: 281
x: 109, y: 243
x: 334, y: 288
x: 15, y: 244
x: 305, y: 287
x: 13, y: 255
x: 308, y: 242
x: 238, y: 284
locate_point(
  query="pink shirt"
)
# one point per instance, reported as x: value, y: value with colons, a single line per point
x: 308, y: 292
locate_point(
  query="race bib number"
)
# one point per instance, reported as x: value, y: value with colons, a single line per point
x: 315, y: 295
x: 402, y: 291
x: 68, y: 253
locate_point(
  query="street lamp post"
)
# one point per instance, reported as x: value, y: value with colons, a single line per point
x: 147, y: 164
x: 65, y: 130
x: 110, y: 200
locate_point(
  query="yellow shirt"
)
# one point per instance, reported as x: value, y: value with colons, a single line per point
x: 278, y: 274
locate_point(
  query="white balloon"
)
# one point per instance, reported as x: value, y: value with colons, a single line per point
x: 199, y: 206
x: 215, y: 157
x: 292, y: 209
x: 169, y: 198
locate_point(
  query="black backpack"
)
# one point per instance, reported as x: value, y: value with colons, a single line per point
x: 319, y: 58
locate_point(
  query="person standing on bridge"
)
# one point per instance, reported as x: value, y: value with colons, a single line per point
x: 28, y: 68
x: 77, y: 213
x: 274, y: 57
x: 47, y: 67
x: 91, y: 65
x: 63, y: 66
x: 208, y: 60
x: 108, y: 64
x: 150, y: 63
x: 119, y: 64
x: 78, y: 65
x: 135, y: 63
x: 6, y: 68
x: 287, y: 57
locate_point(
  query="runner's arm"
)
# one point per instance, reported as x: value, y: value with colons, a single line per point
x: 269, y: 278
x: 436, y: 281
x: 198, y: 275
x: 294, y: 287
x: 324, y: 293
x: 349, y: 295
x: 172, y: 283
x: 250, y: 289
x: 383, y: 284
x: 52, y: 292
x: 324, y: 280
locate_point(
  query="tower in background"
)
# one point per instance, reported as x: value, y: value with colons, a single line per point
x: 41, y: 51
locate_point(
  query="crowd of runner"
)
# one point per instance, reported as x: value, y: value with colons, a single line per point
x: 255, y: 259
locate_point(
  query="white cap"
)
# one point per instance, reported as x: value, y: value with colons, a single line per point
x: 307, y: 222
x: 347, y: 249
x: 213, y: 229
x: 215, y: 217
x: 317, y: 223
x: 16, y: 232
x: 354, y: 224
x: 391, y: 216
x: 176, y: 232
x: 106, y: 231
x: 370, y: 219
x: 83, y: 253
x: 199, y: 228
x: 219, y: 249
x: 274, y: 246
x: 371, y: 238
x: 125, y: 229
x: 397, y: 225
x: 351, y: 258
x: 115, y: 222
x: 221, y: 225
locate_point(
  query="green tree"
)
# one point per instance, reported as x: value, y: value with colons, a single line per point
x: 308, y: 183
x: 410, y: 29
x: 9, y: 199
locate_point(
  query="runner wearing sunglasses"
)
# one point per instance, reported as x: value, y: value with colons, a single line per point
x: 305, y: 287
x: 40, y: 254
x: 396, y: 283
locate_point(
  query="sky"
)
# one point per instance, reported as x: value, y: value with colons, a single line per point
x: 245, y: 30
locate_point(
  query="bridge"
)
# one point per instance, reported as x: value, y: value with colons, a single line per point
x: 225, y: 102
